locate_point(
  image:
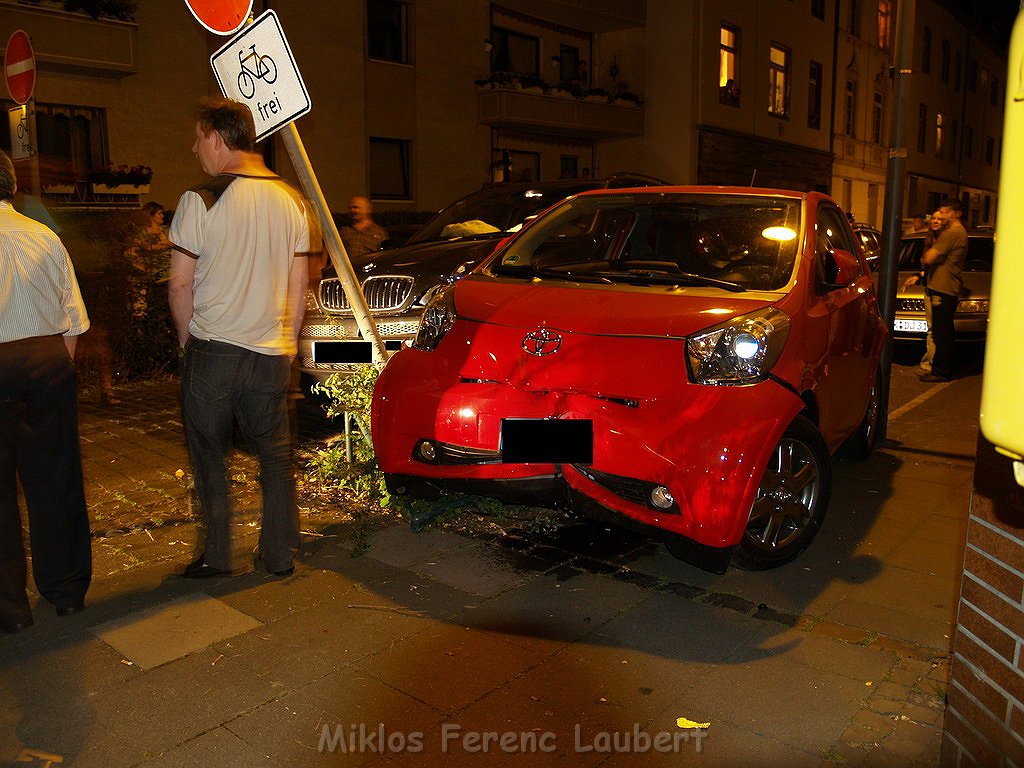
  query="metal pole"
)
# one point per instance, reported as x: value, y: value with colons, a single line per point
x: 339, y: 256
x: 892, y: 220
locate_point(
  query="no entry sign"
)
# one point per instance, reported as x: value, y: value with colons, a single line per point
x: 20, y: 67
x: 222, y: 17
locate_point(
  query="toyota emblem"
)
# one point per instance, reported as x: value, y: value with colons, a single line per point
x: 542, y: 342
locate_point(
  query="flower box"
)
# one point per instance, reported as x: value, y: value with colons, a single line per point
x: 119, y: 189
x: 59, y: 189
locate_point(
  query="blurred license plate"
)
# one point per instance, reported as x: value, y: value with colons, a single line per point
x: 351, y: 351
x: 914, y: 326
x: 547, y: 441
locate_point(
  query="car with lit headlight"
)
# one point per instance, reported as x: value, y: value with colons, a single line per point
x: 685, y: 360
x: 399, y: 282
x: 971, y: 318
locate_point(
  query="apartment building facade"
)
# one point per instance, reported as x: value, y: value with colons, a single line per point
x: 416, y: 102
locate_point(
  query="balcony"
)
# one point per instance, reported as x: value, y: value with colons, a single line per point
x: 72, y: 42
x: 560, y: 113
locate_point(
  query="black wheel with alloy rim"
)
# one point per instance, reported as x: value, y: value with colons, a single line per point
x: 791, y: 500
x: 861, y: 443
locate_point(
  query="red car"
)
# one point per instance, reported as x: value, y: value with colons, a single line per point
x: 682, y: 359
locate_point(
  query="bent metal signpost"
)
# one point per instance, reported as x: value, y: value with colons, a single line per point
x: 256, y: 67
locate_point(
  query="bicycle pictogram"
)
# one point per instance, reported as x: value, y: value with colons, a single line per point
x: 265, y: 70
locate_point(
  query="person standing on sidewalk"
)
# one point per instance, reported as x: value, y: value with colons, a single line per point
x: 365, y: 235
x: 237, y: 294
x: 943, y: 262
x: 41, y: 317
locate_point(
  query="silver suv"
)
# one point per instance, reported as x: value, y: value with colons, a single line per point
x: 399, y: 282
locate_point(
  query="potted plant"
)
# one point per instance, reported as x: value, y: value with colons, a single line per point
x: 122, y: 180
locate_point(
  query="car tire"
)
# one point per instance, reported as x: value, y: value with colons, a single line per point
x: 861, y: 443
x: 791, y: 500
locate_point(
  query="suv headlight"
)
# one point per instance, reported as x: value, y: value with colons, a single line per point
x: 739, y: 351
x: 437, y: 320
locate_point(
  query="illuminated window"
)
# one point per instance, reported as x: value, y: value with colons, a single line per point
x: 938, y: 134
x: 728, y: 65
x: 778, y: 81
x: 884, y: 24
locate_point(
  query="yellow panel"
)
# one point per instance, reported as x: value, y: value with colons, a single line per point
x: 1002, y: 409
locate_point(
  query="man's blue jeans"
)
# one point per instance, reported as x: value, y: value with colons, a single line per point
x: 222, y: 383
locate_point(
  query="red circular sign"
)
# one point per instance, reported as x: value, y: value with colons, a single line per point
x: 20, y: 67
x: 222, y: 17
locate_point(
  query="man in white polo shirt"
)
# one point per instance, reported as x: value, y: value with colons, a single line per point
x: 41, y: 318
x: 237, y: 293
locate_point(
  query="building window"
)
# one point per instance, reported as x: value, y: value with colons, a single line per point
x: 515, y: 52
x: 926, y: 51
x: 778, y: 81
x: 568, y: 167
x: 922, y: 126
x: 71, y: 140
x: 884, y: 24
x: 814, y: 87
x: 818, y: 9
x: 568, y: 63
x: 968, y: 141
x: 990, y: 150
x: 728, y: 65
x: 387, y: 30
x: 972, y: 76
x: 877, y: 117
x: 389, y: 169
x: 855, y: 18
x: 993, y: 95
x: 954, y: 135
x: 849, y: 123
x: 958, y: 70
x: 945, y: 63
x: 938, y: 133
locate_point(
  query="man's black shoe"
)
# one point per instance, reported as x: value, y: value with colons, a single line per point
x: 67, y: 610
x: 13, y: 627
x: 932, y: 377
x: 285, y: 572
x: 200, y: 570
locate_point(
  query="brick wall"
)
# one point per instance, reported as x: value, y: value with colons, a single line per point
x: 984, y: 723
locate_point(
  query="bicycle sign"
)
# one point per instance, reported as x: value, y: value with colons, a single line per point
x: 257, y: 68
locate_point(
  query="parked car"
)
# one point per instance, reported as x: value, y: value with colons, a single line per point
x: 399, y: 283
x: 971, y: 319
x: 870, y: 241
x: 684, y: 359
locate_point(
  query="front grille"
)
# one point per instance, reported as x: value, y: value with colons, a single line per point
x: 407, y: 328
x: 910, y: 305
x: 324, y: 332
x: 384, y: 293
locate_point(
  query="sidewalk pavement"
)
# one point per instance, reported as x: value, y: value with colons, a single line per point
x: 581, y: 646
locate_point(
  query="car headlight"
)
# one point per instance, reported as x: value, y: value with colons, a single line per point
x: 437, y: 320
x: 972, y: 307
x: 739, y: 351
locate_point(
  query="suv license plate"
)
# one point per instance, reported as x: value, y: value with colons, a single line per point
x: 547, y: 441
x: 914, y: 326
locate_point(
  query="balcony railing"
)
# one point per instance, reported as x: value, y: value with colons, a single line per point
x: 559, y: 112
x: 72, y: 42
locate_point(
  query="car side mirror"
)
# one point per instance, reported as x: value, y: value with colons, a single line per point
x: 841, y: 269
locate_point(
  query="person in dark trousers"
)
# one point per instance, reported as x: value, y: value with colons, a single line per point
x: 943, y: 263
x: 237, y: 294
x: 41, y: 317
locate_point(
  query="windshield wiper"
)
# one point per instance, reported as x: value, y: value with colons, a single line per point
x: 527, y: 270
x: 645, y: 277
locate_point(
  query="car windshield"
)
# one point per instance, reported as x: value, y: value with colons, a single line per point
x: 979, y: 254
x: 494, y: 211
x: 736, y: 242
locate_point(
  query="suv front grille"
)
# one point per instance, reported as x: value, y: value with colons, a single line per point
x: 384, y: 293
x: 910, y: 305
